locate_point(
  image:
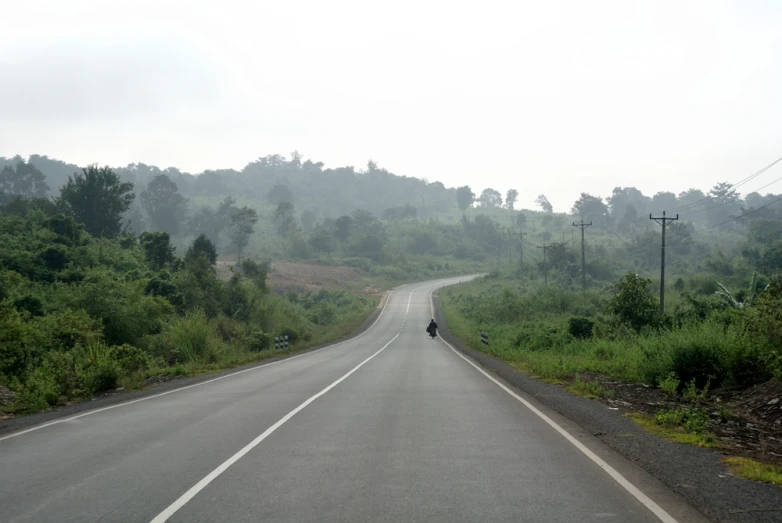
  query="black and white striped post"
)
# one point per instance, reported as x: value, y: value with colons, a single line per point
x: 485, y: 338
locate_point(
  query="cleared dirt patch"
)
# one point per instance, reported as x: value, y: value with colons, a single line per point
x: 304, y: 277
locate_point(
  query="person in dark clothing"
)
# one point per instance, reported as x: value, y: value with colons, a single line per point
x: 432, y: 328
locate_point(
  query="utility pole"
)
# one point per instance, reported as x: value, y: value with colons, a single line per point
x: 499, y: 248
x: 510, y: 248
x: 521, y: 235
x: 662, y: 220
x: 583, y: 226
x: 545, y: 262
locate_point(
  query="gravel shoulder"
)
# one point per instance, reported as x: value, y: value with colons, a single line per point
x: 697, y: 474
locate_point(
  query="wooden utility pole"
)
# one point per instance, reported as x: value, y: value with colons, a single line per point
x: 520, y: 236
x: 583, y: 226
x: 662, y: 220
x: 499, y: 249
x: 545, y: 262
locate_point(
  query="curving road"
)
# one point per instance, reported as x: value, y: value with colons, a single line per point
x: 390, y: 426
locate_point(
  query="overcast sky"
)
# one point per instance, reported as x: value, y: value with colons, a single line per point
x: 552, y: 97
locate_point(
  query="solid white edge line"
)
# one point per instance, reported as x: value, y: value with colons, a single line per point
x: 198, y: 487
x: 154, y: 396
x: 629, y: 487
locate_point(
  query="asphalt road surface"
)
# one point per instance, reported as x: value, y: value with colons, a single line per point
x: 389, y: 426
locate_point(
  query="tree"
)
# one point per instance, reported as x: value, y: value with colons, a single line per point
x: 521, y: 220
x: 408, y: 212
x: 629, y: 219
x: 24, y: 179
x: 510, y: 198
x: 342, y: 227
x: 242, y: 227
x: 663, y: 201
x: 164, y: 205
x: 157, y: 248
x: 727, y: 203
x: 542, y: 202
x: 632, y: 303
x: 621, y: 197
x: 679, y: 237
x: 367, y: 235
x: 464, y: 197
x: 284, y: 220
x: 97, y: 198
x: 202, y: 247
x: 279, y: 193
x: 213, y: 222
x: 307, y: 221
x: 590, y: 208
x: 490, y: 198
x: 322, y: 240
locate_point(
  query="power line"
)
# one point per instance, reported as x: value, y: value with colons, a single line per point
x: 740, y: 216
x: 734, y: 186
x: 725, y: 203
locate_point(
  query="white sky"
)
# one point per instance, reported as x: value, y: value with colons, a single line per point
x: 552, y: 97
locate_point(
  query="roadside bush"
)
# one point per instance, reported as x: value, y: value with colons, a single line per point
x: 295, y: 335
x: 190, y: 339
x: 65, y: 329
x: 130, y: 359
x: 258, y: 341
x: 580, y: 328
x: 701, y: 352
x: 539, y: 336
x: 632, y: 303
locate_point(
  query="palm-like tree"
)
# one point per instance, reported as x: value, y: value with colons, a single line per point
x: 750, y: 296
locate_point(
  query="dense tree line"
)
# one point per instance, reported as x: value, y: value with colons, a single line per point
x: 291, y: 208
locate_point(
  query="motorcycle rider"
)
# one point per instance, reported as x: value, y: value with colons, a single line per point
x: 432, y: 328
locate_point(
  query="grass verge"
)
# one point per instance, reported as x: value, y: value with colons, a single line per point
x: 673, y: 432
x: 754, y: 470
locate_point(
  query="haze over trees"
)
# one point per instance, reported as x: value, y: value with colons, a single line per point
x: 123, y: 262
x: 295, y: 208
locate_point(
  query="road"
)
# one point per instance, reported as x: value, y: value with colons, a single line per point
x: 389, y: 426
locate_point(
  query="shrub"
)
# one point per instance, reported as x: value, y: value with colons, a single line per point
x: 707, y: 352
x: 191, y: 339
x: 632, y: 303
x: 580, y: 328
x: 258, y: 341
x: 130, y: 359
x: 104, y: 375
x: 670, y: 385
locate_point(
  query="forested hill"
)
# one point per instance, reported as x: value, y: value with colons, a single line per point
x: 277, y: 208
x: 328, y: 193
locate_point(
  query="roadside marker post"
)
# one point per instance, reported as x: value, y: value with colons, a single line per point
x: 281, y: 342
x: 485, y: 338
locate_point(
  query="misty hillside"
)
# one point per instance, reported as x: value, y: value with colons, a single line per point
x: 277, y: 208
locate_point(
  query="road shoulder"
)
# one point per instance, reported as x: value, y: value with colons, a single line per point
x: 696, y: 475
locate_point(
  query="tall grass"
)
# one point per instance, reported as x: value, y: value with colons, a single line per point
x: 194, y: 338
x: 529, y: 328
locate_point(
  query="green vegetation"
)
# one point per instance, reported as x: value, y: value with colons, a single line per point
x: 81, y: 315
x: 589, y: 389
x: 130, y: 257
x: 754, y: 470
x: 702, y: 343
x: 669, y: 426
